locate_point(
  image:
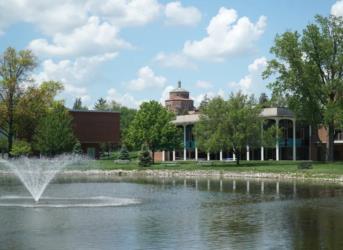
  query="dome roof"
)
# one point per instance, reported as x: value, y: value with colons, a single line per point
x: 178, y: 89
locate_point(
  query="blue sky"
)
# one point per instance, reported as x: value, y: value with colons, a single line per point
x: 136, y: 50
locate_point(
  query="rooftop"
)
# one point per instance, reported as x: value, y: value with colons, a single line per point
x: 186, y: 119
x: 277, y: 112
x: 179, y: 88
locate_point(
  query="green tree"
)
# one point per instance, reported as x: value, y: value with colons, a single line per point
x: 15, y: 69
x: 20, y: 147
x: 77, y: 149
x: 263, y: 100
x: 308, y: 68
x: 3, y: 145
x: 152, y: 126
x: 54, y: 134
x: 101, y: 105
x: 124, y: 153
x: 230, y: 125
x: 33, y: 104
x: 126, y: 116
x: 144, y: 159
x: 78, y: 105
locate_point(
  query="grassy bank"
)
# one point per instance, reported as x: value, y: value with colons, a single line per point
x: 323, y: 170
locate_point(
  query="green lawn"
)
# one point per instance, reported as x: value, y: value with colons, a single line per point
x: 282, y: 167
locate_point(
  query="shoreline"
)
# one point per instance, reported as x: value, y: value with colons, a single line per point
x: 167, y: 173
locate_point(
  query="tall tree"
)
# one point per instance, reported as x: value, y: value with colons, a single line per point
x: 54, y: 134
x: 152, y: 126
x: 263, y: 100
x: 309, y: 69
x: 78, y: 105
x: 15, y: 69
x: 32, y: 106
x: 231, y: 125
x: 101, y: 105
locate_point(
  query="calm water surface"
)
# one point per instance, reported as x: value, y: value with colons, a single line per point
x: 179, y: 214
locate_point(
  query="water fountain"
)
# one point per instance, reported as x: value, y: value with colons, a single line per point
x: 36, y: 173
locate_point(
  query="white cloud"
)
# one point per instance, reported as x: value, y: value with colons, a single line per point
x: 199, y: 98
x: 127, y: 12
x: 203, y: 85
x: 62, y: 16
x: 49, y: 16
x: 75, y: 75
x: 337, y: 8
x: 251, y: 81
x: 227, y: 35
x: 91, y: 39
x: 124, y: 99
x: 174, y: 60
x: 176, y: 14
x: 146, y: 79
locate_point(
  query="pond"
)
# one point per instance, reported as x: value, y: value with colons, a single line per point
x: 167, y: 213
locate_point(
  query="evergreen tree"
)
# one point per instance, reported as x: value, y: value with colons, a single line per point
x: 101, y: 105
x: 77, y: 149
x: 78, y: 105
x: 144, y: 156
x: 124, y: 153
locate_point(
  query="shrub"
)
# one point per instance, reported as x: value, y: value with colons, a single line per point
x: 77, y: 149
x: 144, y: 157
x: 305, y: 165
x: 124, y: 154
x: 20, y: 148
x: 3, y: 146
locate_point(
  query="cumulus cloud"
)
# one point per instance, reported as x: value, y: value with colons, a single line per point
x: 210, y: 94
x: 174, y: 60
x: 74, y: 74
x: 227, y: 35
x: 337, y: 8
x: 93, y: 38
x: 124, y: 99
x: 203, y: 85
x: 126, y: 12
x: 146, y: 79
x: 251, y: 80
x: 176, y: 14
x: 64, y: 15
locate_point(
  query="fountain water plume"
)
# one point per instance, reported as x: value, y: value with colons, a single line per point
x: 36, y: 173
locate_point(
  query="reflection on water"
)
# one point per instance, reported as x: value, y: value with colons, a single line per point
x: 179, y: 213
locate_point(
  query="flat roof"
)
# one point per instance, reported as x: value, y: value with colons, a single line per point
x: 92, y: 111
x: 186, y: 119
x: 277, y: 112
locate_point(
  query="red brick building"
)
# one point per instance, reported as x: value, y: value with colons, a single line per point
x: 93, y: 128
x: 179, y: 101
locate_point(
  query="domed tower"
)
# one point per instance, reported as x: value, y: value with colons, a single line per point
x: 179, y: 101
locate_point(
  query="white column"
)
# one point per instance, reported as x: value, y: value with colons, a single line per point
x: 163, y: 156
x: 248, y: 153
x: 184, y: 142
x: 277, y: 140
x: 208, y: 156
x: 221, y: 155
x: 174, y: 155
x: 234, y: 156
x: 196, y: 153
x: 262, y: 148
x: 294, y: 141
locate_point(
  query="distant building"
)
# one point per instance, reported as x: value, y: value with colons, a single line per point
x: 93, y: 128
x: 298, y: 141
x: 179, y: 101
